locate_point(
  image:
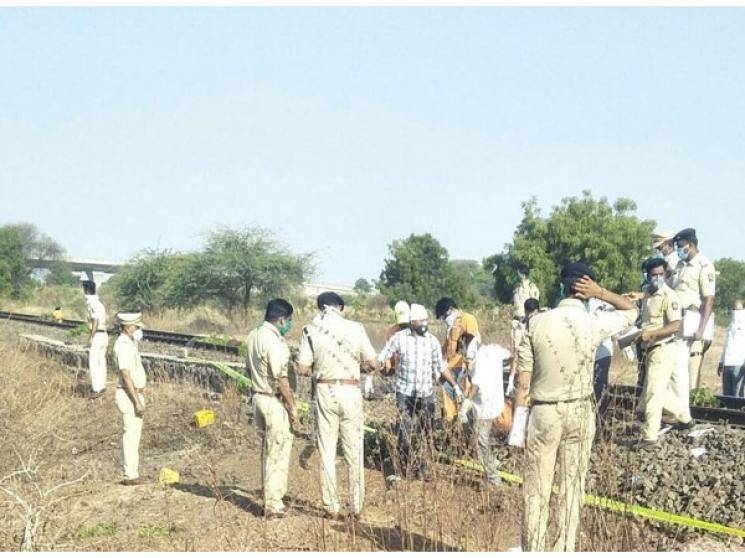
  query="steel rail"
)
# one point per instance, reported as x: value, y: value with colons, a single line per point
x: 152, y: 335
x: 733, y: 412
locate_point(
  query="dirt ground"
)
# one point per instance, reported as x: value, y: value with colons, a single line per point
x: 217, y: 505
x: 60, y: 435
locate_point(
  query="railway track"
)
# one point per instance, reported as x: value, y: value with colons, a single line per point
x: 153, y: 335
x: 733, y: 411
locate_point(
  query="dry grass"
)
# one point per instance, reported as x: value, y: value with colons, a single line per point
x: 55, y: 436
x: 54, y: 430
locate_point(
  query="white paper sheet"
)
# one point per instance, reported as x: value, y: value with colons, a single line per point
x: 691, y: 320
x: 698, y: 452
x: 519, y: 427
x: 699, y: 433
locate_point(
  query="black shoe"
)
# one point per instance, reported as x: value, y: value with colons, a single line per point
x: 274, y: 514
x: 134, y: 482
x: 305, y: 456
x: 97, y: 394
x: 684, y: 425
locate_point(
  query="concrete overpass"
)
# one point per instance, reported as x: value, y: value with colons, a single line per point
x: 100, y: 271
x: 95, y: 269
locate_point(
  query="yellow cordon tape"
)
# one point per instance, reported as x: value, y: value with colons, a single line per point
x: 590, y: 499
x: 624, y: 508
x: 239, y: 378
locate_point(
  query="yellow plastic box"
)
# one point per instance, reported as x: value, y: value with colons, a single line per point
x: 169, y: 476
x: 203, y: 418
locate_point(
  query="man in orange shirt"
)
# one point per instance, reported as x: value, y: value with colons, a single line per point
x: 462, y: 329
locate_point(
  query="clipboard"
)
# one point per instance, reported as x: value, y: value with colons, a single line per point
x: 691, y: 320
x: 628, y: 337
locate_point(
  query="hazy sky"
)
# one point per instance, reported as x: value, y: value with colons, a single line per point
x: 346, y: 128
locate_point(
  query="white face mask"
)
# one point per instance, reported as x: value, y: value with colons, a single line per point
x: 137, y: 335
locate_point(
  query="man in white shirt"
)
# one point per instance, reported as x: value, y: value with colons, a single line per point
x: 486, y: 398
x: 732, y: 363
x: 420, y: 364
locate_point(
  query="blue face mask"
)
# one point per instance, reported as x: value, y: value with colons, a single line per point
x: 682, y: 254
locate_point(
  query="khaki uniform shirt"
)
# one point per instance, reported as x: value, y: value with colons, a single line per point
x: 523, y: 292
x: 558, y: 349
x: 268, y: 358
x: 693, y: 280
x: 672, y: 260
x: 128, y: 358
x: 335, y: 347
x: 659, y: 309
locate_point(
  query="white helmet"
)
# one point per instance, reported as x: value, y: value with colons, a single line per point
x: 401, y: 310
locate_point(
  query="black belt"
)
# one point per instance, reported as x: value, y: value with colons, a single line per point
x: 254, y: 392
x: 661, y: 344
x: 538, y: 402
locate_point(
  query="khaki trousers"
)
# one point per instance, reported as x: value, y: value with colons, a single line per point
x: 695, y: 358
x: 131, y: 435
x: 560, y: 432
x: 679, y: 382
x: 97, y: 361
x: 273, y: 424
x: 339, y: 414
x: 661, y: 362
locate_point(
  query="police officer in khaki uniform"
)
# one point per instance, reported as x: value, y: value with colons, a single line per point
x: 662, y: 243
x: 661, y: 315
x: 98, y: 341
x: 273, y: 402
x: 130, y: 398
x: 531, y: 306
x: 555, y: 370
x: 524, y: 290
x: 333, y: 348
x: 695, y: 285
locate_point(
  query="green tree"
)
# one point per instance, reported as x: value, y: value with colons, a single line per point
x: 730, y: 283
x: 15, y: 275
x: 37, y: 245
x: 418, y: 270
x: 362, y: 286
x: 237, y: 265
x: 609, y: 238
x: 478, y: 279
x: 144, y: 283
x: 61, y: 273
